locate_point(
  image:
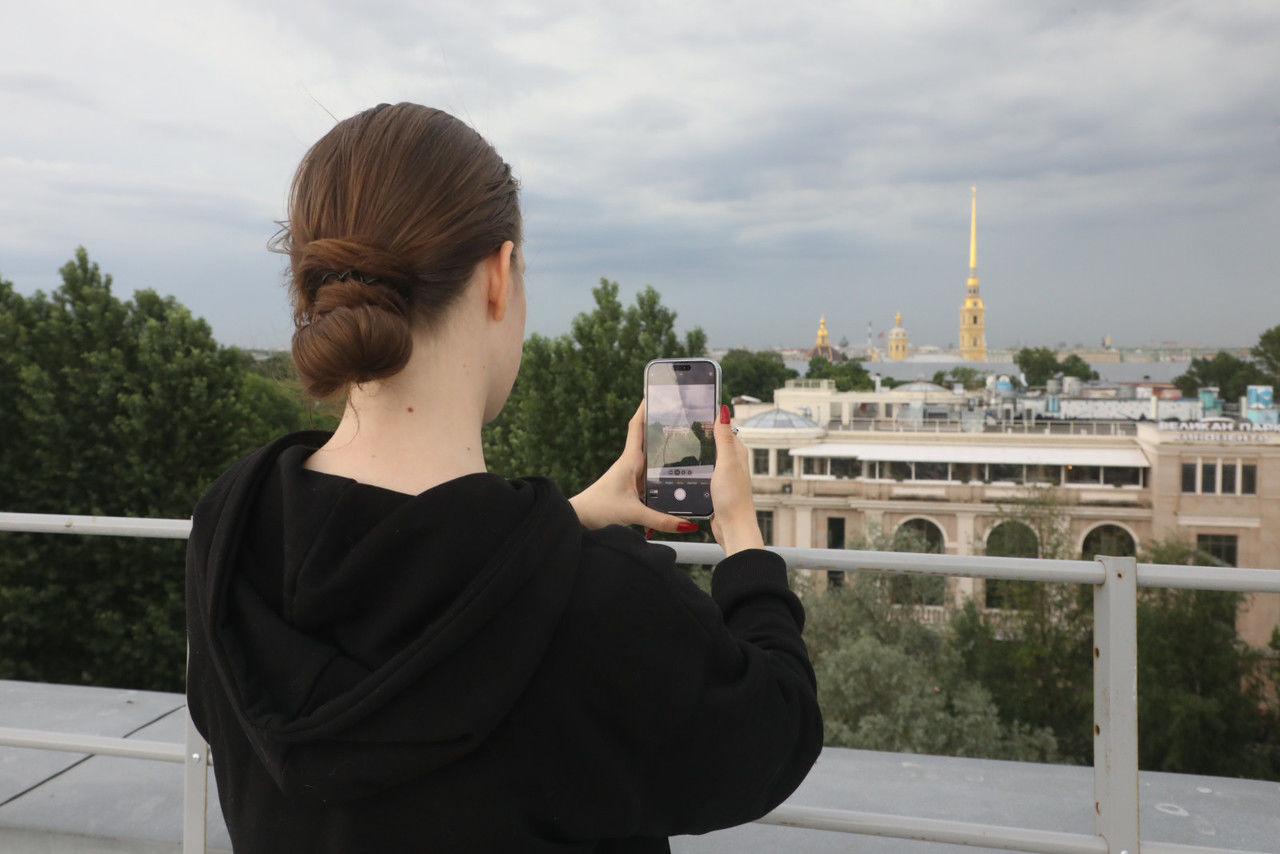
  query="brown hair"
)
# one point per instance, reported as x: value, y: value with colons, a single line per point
x: 389, y: 214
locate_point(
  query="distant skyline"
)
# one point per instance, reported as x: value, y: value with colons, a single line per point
x: 760, y: 165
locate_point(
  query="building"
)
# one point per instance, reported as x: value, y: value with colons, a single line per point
x: 897, y: 339
x: 973, y: 314
x: 830, y: 468
x: 822, y: 344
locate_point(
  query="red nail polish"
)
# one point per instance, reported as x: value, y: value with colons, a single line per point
x: 648, y: 532
x: 724, y: 414
x: 686, y: 527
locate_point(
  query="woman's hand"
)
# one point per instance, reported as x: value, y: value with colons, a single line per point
x: 734, y: 524
x: 614, y: 499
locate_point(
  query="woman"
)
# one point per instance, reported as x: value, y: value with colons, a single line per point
x: 392, y: 650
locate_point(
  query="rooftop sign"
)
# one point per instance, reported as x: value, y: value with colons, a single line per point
x: 1218, y: 431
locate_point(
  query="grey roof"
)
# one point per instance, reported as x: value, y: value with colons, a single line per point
x: 779, y: 419
x: 63, y: 802
x: 920, y: 385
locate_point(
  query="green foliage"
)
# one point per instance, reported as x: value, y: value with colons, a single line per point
x: 1267, y: 354
x: 1203, y: 707
x: 886, y: 682
x: 1035, y: 654
x: 1230, y: 374
x: 111, y: 407
x: 1036, y: 662
x: 1040, y: 364
x: 567, y: 415
x: 849, y: 375
x: 1199, y: 696
x: 1074, y: 366
x: 753, y: 373
x: 274, y: 366
x: 904, y: 589
x: 971, y: 378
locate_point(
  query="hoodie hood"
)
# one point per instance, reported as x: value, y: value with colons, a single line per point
x: 365, y: 637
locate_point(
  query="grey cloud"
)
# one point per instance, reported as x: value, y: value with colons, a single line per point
x: 39, y: 87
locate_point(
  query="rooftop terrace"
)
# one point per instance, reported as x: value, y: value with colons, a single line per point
x: 67, y: 802
x: 67, y: 786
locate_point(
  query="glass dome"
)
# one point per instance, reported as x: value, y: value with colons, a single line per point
x: 779, y: 418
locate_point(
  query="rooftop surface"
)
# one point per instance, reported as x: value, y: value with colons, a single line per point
x: 64, y: 802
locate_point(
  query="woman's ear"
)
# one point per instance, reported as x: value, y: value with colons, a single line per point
x: 498, y: 275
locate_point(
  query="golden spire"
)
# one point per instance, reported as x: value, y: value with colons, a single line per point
x: 897, y: 319
x: 823, y: 340
x: 973, y: 235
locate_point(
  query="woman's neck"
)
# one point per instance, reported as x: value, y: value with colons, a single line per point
x: 417, y: 429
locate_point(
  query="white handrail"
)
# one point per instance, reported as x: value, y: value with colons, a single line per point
x: 1115, y: 582
x: 109, y: 526
x: 99, y: 745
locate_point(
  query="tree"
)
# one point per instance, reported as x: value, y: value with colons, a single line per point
x: 1074, y: 366
x: 1267, y: 354
x: 111, y: 407
x: 1202, y: 707
x: 1230, y: 374
x: 567, y: 415
x: 887, y: 682
x: 904, y: 589
x: 1201, y: 703
x: 756, y: 374
x: 1038, y: 364
x: 849, y: 374
x: 1034, y: 655
x: 971, y: 378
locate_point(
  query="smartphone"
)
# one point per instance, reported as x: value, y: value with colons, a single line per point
x: 682, y: 400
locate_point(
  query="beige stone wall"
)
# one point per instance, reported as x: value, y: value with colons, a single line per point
x: 967, y: 512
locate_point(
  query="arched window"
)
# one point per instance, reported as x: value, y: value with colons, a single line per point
x: 1010, y: 539
x: 1110, y: 540
x: 917, y: 535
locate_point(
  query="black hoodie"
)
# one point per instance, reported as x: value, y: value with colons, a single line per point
x: 469, y: 669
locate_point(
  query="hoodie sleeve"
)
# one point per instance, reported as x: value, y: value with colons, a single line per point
x: 715, y: 697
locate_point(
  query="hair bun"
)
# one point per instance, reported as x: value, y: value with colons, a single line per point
x: 355, y: 333
x: 409, y: 200
x: 351, y: 292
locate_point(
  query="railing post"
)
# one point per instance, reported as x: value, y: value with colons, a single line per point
x: 195, y: 789
x: 1115, y: 705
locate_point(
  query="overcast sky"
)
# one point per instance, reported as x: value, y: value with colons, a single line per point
x: 758, y: 164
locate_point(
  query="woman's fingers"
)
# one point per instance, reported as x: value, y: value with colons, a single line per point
x: 666, y: 522
x: 635, y: 432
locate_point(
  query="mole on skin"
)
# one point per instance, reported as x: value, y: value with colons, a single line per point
x: 408, y: 408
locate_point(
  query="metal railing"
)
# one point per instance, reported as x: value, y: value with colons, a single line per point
x: 1115, y: 582
x: 1039, y: 426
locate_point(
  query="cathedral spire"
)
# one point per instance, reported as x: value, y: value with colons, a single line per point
x: 973, y: 235
x: 973, y: 319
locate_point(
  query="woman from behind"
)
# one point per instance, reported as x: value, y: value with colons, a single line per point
x: 392, y: 649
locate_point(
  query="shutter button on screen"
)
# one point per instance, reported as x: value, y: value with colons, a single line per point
x: 679, y: 494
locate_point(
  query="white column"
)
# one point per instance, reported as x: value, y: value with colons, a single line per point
x: 804, y: 528
x: 964, y: 588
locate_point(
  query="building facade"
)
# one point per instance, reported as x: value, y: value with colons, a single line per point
x: 823, y: 478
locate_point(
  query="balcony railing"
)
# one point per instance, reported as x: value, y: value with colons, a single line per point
x: 1115, y: 581
x: 1041, y: 426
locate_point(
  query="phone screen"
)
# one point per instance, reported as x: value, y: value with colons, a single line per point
x: 682, y: 399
